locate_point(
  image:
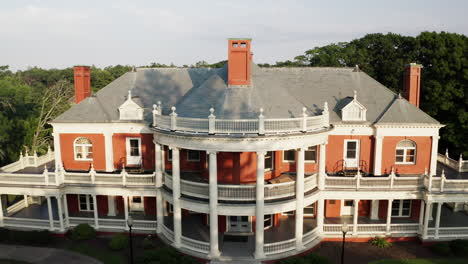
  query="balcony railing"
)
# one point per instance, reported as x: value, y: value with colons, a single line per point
x: 403, y: 228
x: 448, y: 232
x: 359, y: 182
x: 29, y: 161
x: 244, y: 192
x: 459, y: 165
x: 442, y: 184
x: 261, y: 125
x: 279, y: 247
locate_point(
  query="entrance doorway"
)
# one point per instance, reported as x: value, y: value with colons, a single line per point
x: 239, y: 224
x: 351, y: 153
x: 348, y: 208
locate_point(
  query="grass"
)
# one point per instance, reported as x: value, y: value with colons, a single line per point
x: 107, y: 257
x: 420, y: 261
x: 10, y: 261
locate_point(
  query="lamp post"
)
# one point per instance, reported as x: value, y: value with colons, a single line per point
x: 130, y: 224
x: 344, y: 229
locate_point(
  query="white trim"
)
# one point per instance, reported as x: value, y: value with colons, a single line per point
x: 133, y: 160
x: 89, y: 203
x: 273, y: 154
x: 405, y: 154
x: 84, y: 149
x: 358, y: 151
x: 271, y: 219
x: 400, y: 208
x: 312, y: 205
x: 289, y: 161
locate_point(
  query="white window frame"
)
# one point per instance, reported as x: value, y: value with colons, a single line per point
x: 133, y: 209
x: 312, y: 205
x: 400, y: 208
x: 193, y: 160
x: 405, y: 154
x: 169, y: 154
x: 272, y: 161
x: 289, y: 161
x: 170, y: 208
x: 265, y: 219
x: 293, y: 212
x: 89, y: 203
x: 309, y: 149
x: 84, y: 149
x: 131, y: 159
x: 358, y: 150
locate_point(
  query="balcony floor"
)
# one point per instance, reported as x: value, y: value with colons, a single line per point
x: 448, y: 218
x: 451, y: 173
x: 38, y: 170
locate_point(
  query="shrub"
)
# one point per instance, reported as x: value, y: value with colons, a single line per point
x: 442, y: 249
x: 147, y: 243
x: 165, y: 255
x: 26, y: 237
x: 459, y: 247
x: 307, y: 259
x: 381, y: 242
x: 4, y: 234
x: 118, y: 242
x: 83, y: 232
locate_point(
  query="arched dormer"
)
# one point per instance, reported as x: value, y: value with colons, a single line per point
x: 130, y: 110
x: 354, y: 111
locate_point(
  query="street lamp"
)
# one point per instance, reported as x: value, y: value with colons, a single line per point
x: 344, y: 229
x: 130, y: 224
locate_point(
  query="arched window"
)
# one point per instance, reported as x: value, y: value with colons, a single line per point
x: 83, y: 149
x: 405, y: 152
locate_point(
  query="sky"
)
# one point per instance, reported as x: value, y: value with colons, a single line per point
x: 63, y: 33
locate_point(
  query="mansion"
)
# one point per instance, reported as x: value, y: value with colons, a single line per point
x: 243, y: 162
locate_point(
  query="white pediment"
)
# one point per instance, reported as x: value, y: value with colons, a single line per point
x: 130, y: 110
x: 354, y: 111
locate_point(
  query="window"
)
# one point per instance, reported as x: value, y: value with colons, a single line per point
x: 309, y: 210
x: 405, y: 152
x: 311, y: 154
x: 170, y: 208
x: 331, y: 202
x: 193, y: 155
x: 83, y: 149
x: 289, y: 155
x: 351, y: 149
x: 235, y: 44
x: 401, y: 208
x: 86, y: 202
x: 348, y: 203
x: 169, y: 153
x: 134, y: 147
x: 269, y: 160
x: 243, y: 45
x: 133, y: 151
x: 268, y: 221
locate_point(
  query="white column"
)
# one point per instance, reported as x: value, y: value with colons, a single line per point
x: 65, y: 209
x: 1, y: 211
x: 421, y: 217
x: 57, y: 151
x: 60, y: 212
x: 159, y: 211
x: 51, y: 216
x: 111, y: 205
x: 158, y: 164
x: 26, y: 202
x: 427, y: 216
x: 125, y: 198
x: 299, y: 198
x: 378, y: 156
x: 437, y: 223
x: 109, y: 151
x: 260, y: 203
x: 320, y: 214
x: 374, y: 214
x: 176, y: 197
x: 435, y: 143
x: 355, y: 216
x: 389, y: 215
x: 213, y: 181
x: 322, y: 163
x: 95, y: 207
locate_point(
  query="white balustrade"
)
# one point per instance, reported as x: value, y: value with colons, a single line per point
x: 279, y: 247
x: 28, y: 161
x: 332, y: 228
x: 195, y: 245
x: 371, y: 228
x: 404, y: 228
x: 310, y: 236
x: 449, y: 232
x: 144, y: 225
x: 359, y: 182
x: 169, y: 234
x: 109, y: 223
x: 26, y: 222
x: 74, y: 221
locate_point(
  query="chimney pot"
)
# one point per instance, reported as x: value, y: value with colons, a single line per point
x: 412, y: 83
x: 82, y: 77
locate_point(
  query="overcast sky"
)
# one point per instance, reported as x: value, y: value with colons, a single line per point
x: 63, y: 33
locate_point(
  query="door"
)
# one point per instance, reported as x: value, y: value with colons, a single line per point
x: 136, y: 204
x: 133, y: 151
x: 239, y: 224
x: 351, y: 153
x: 348, y: 207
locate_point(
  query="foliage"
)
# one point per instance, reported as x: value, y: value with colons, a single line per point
x: 38, y: 238
x: 83, y: 232
x: 147, y: 243
x: 106, y: 257
x: 442, y: 249
x: 381, y: 242
x: 118, y: 242
x: 164, y: 255
x: 459, y: 247
x: 420, y: 261
x: 307, y: 259
x: 11, y: 261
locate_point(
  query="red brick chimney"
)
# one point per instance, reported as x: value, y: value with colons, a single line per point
x: 412, y: 83
x: 82, y: 82
x: 239, y: 59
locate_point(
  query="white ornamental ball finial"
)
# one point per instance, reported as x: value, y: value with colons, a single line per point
x: 155, y: 107
x: 325, y: 107
x: 355, y: 94
x: 211, y: 110
x: 129, y: 94
x: 173, y: 109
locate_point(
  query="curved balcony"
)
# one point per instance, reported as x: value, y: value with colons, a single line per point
x: 241, y: 193
x: 261, y: 125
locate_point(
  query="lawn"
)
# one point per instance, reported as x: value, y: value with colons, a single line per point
x: 420, y: 261
x: 102, y: 254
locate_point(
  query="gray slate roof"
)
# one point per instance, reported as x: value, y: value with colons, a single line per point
x: 281, y: 92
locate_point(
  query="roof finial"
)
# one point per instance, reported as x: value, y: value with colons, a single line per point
x: 261, y: 112
x: 159, y: 105
x: 356, y: 68
x: 211, y: 112
x: 355, y: 94
x: 304, y: 110
x: 325, y: 107
x: 129, y: 94
x: 399, y: 95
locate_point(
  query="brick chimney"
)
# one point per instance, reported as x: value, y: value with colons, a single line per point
x: 412, y: 83
x: 82, y: 76
x: 239, y: 59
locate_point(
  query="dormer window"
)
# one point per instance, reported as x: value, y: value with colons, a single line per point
x: 354, y: 111
x: 130, y: 110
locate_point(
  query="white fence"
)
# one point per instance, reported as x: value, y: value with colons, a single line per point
x: 245, y: 192
x: 279, y: 247
x: 360, y: 183
x: 373, y: 229
x: 261, y: 125
x: 195, y: 245
x: 448, y: 232
x: 459, y: 165
x: 29, y: 161
x: 442, y: 184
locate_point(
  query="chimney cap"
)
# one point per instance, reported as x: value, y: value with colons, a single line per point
x: 413, y: 64
x: 239, y: 38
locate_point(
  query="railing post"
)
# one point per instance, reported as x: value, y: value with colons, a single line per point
x: 50, y: 155
x: 326, y: 114
x: 46, y: 175
x: 211, y: 122
x: 49, y: 212
x: 429, y: 184
x: 92, y: 173
x: 358, y: 178
x: 389, y: 216
x: 173, y: 119
x: 304, y: 119
x: 261, y: 123
x: 442, y: 181
x: 124, y: 176
x: 35, y: 158
x: 21, y: 159
x: 460, y: 162
x: 155, y: 113
x: 392, y: 178
x: 60, y: 212
x: 1, y: 211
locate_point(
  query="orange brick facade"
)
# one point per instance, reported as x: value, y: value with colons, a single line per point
x: 423, y: 155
